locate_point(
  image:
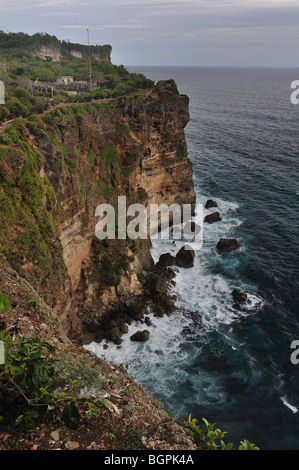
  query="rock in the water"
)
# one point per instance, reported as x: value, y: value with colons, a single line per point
x: 185, y: 257
x: 210, y: 203
x: 239, y: 296
x: 166, y: 260
x: 114, y: 334
x: 140, y: 336
x: 212, y: 218
x: 148, y: 321
x: 228, y: 244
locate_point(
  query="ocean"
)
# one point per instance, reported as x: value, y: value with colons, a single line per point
x: 212, y: 358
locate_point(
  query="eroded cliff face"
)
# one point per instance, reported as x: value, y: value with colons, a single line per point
x: 56, y: 52
x: 56, y: 169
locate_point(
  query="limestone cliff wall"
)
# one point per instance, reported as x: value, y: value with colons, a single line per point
x: 61, y: 166
x: 57, y: 52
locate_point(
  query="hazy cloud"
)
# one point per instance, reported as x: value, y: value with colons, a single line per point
x: 169, y: 32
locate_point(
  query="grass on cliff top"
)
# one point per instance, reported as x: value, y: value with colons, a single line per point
x: 18, y: 69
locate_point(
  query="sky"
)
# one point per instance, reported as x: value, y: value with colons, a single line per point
x: 169, y: 32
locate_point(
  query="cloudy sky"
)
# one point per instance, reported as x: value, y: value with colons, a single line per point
x: 169, y: 32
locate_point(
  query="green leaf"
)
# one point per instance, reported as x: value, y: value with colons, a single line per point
x: 71, y: 415
x: 19, y: 420
x: 4, y: 304
x: 31, y: 414
x: 101, y: 401
x: 206, y: 423
x: 246, y: 445
x: 48, y: 346
x: 211, y: 435
x: 227, y: 446
x: 93, y: 411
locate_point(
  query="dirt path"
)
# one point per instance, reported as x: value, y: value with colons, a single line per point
x: 5, y: 124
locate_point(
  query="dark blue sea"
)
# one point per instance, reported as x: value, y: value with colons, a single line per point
x: 211, y: 358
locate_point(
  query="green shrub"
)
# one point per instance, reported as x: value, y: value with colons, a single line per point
x: 132, y: 440
x: 208, y: 438
x: 17, y: 108
x: 31, y: 185
x: 36, y: 304
x: 5, y: 139
x: 3, y: 154
x: 29, y: 366
x: 124, y: 130
x: 33, y: 379
x: 77, y: 151
x: 90, y: 156
x: 110, y: 153
x: 110, y: 273
x: 4, y: 304
x: 7, y: 215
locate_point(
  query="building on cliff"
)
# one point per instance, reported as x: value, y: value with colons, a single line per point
x: 64, y: 83
x: 65, y: 80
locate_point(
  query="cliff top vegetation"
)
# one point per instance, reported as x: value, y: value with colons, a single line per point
x: 20, y: 46
x: 20, y: 67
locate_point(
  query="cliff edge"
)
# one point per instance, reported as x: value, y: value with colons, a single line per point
x: 58, y: 168
x: 55, y: 169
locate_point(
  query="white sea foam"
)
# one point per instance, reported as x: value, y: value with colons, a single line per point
x: 200, y: 289
x: 148, y: 361
x: 204, y: 303
x: 288, y: 405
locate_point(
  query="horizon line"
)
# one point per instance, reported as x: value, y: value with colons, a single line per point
x: 217, y: 66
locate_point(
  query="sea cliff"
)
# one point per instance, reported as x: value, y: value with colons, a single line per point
x: 55, y: 169
x: 60, y: 167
